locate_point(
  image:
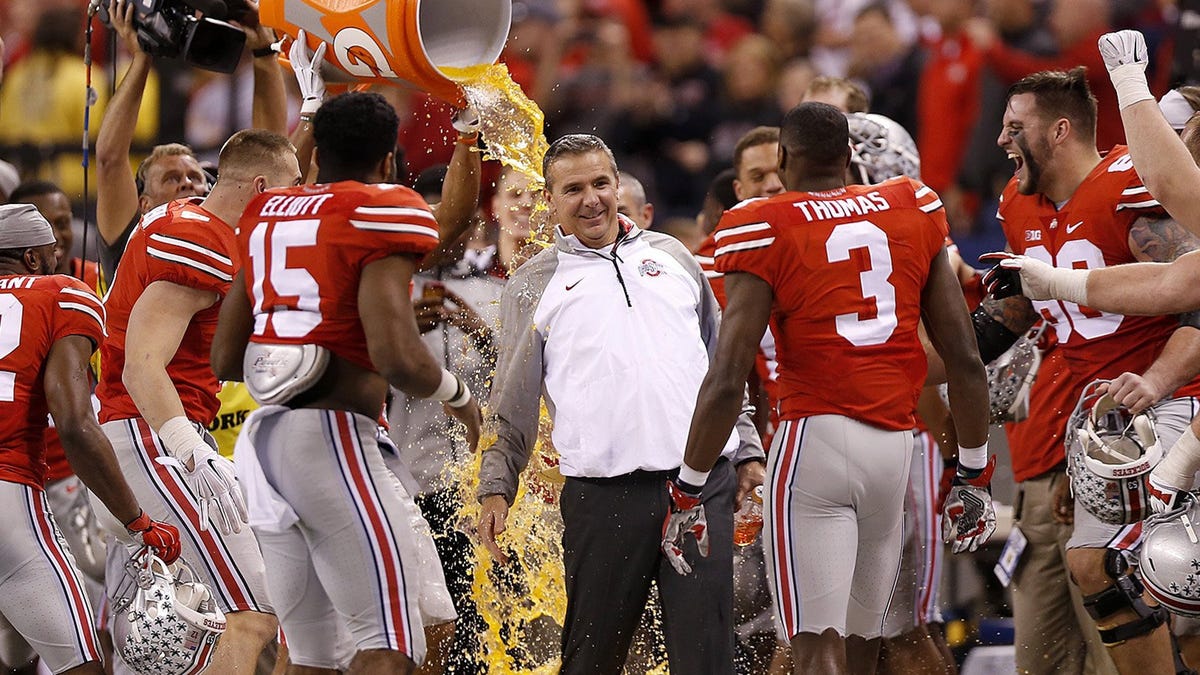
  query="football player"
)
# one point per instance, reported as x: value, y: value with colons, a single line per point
x: 49, y: 326
x: 324, y: 303
x: 846, y: 272
x: 1069, y: 207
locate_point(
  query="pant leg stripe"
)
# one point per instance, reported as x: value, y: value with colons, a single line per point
x: 784, y: 472
x: 44, y: 528
x: 930, y: 530
x: 376, y: 528
x: 230, y: 584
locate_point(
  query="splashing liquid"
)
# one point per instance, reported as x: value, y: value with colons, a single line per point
x: 525, y: 601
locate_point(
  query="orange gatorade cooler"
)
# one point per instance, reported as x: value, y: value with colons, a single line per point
x: 397, y: 41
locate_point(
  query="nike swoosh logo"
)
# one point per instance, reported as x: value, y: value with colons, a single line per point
x: 1072, y: 228
x: 573, y: 285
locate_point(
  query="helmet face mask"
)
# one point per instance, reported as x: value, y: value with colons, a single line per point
x: 881, y: 149
x: 1169, y: 558
x: 165, y: 621
x: 1110, y: 453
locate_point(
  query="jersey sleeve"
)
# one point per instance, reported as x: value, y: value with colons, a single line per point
x: 396, y: 220
x: 1136, y: 199
x: 80, y: 312
x: 180, y: 252
x: 931, y: 205
x: 746, y: 242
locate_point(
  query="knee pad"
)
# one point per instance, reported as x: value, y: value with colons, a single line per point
x: 1125, y: 593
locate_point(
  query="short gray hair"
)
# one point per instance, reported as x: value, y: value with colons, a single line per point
x: 572, y: 145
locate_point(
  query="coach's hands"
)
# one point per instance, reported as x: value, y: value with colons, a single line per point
x: 969, y: 518
x: 163, y: 538
x: 685, y: 515
x: 493, y: 513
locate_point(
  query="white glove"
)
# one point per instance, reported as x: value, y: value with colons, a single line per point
x: 308, y: 73
x: 1126, y: 57
x: 685, y: 516
x: 466, y: 121
x: 215, y: 484
x: 1123, y: 48
x: 1039, y: 280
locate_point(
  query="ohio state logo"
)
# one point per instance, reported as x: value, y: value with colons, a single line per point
x: 650, y: 268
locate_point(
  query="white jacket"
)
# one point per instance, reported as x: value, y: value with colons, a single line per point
x: 618, y: 341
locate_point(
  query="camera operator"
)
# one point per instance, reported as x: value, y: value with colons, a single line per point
x: 172, y: 170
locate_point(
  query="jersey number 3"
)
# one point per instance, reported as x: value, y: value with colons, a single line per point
x: 873, y: 280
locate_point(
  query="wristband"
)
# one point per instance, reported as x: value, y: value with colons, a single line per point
x: 309, y: 106
x: 1179, y: 467
x: 263, y: 52
x: 448, y: 387
x: 973, y: 459
x: 1129, y: 81
x: 461, y: 397
x: 691, y: 476
x: 468, y: 140
x: 180, y: 438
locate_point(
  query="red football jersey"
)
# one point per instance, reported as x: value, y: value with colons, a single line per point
x: 304, y: 249
x: 56, y: 458
x: 182, y: 243
x: 1036, y: 443
x: 35, y: 312
x: 847, y: 268
x: 1090, y: 231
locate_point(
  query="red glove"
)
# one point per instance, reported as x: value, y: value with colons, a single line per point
x: 685, y: 516
x: 948, y: 472
x: 163, y: 538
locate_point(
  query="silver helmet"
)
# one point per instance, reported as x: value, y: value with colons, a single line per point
x: 1011, y: 376
x: 1169, y: 558
x: 1110, y: 452
x: 881, y: 149
x: 164, y: 620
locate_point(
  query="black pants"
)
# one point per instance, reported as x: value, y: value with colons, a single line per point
x: 612, y: 531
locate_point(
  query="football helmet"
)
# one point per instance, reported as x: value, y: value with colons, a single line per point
x: 1011, y: 376
x: 1169, y: 558
x: 164, y: 620
x: 1110, y: 452
x: 881, y: 149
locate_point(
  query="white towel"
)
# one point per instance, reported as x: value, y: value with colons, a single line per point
x: 267, y: 510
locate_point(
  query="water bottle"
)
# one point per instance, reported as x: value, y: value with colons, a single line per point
x: 748, y: 520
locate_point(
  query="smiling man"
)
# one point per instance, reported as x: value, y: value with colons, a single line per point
x: 1071, y: 208
x: 615, y: 326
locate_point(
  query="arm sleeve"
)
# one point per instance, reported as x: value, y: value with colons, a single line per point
x: 516, y: 394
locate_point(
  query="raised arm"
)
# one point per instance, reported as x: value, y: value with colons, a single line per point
x: 460, y: 191
x: 1162, y: 160
x: 268, y: 108
x: 117, y: 194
